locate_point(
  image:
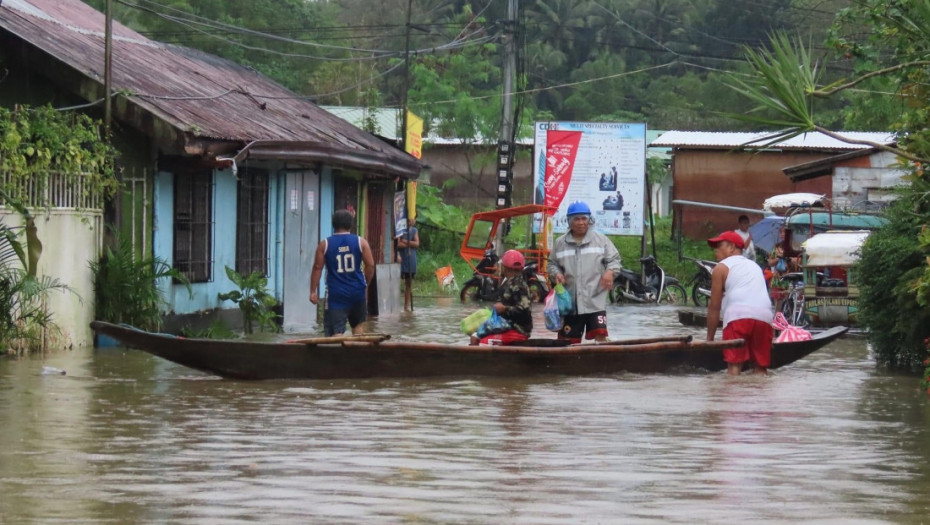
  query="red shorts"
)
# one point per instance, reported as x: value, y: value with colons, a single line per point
x: 503, y: 338
x: 758, y: 337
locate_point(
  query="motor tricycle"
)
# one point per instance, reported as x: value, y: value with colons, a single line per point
x: 478, y: 250
x: 652, y: 286
x: 485, y: 282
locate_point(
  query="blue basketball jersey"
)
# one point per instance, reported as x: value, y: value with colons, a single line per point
x: 345, y: 281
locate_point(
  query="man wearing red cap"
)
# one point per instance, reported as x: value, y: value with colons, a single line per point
x: 738, y: 291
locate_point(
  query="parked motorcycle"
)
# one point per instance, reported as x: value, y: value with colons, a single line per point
x: 485, y: 282
x: 653, y: 286
x: 700, y: 282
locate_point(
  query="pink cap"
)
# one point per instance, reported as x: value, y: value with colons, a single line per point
x: 730, y: 236
x: 513, y: 259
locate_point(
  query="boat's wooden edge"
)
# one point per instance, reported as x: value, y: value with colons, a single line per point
x: 556, y: 350
x: 373, y: 338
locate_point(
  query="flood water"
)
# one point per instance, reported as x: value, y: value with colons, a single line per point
x: 125, y: 437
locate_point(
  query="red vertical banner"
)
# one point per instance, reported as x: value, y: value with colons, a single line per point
x: 561, y: 148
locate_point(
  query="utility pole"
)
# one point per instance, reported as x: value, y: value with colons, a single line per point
x: 108, y: 66
x: 403, y: 97
x: 505, y: 146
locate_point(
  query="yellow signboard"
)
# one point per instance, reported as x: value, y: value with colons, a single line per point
x: 414, y: 141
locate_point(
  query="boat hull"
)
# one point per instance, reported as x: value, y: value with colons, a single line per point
x: 359, y: 360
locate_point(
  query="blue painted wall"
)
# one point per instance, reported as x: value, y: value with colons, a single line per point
x: 204, y: 295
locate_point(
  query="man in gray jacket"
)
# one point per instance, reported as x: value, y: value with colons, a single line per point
x: 585, y: 262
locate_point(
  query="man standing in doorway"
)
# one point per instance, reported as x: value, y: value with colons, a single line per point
x: 738, y: 291
x: 585, y: 262
x: 407, y: 244
x: 343, y: 255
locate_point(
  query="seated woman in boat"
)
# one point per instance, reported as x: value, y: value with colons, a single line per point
x: 514, y: 304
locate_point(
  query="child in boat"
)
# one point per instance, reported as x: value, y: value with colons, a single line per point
x: 514, y: 304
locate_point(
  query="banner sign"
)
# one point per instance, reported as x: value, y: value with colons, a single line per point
x: 604, y: 167
x: 414, y: 140
x: 561, y: 148
x: 400, y: 213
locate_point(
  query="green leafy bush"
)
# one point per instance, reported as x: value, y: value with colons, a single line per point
x: 126, y: 286
x: 891, y: 262
x: 36, y: 143
x: 253, y: 299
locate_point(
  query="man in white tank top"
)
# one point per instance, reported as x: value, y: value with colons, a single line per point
x: 749, y: 249
x: 739, y: 294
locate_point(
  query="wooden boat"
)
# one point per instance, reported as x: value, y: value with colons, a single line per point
x: 376, y: 357
x: 692, y: 318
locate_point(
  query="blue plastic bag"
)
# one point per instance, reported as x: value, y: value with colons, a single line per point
x: 551, y: 312
x: 564, y: 300
x: 494, y: 325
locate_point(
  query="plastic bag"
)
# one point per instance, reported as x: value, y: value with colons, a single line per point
x: 494, y: 325
x: 470, y: 324
x: 781, y: 266
x: 789, y: 333
x: 564, y: 300
x: 551, y: 312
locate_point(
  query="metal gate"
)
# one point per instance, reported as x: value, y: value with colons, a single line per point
x: 301, y: 237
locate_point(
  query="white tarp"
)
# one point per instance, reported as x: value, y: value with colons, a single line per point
x: 788, y: 200
x: 834, y: 248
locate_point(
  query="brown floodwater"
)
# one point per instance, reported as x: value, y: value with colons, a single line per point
x: 125, y: 437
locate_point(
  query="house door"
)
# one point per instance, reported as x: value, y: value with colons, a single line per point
x: 301, y: 236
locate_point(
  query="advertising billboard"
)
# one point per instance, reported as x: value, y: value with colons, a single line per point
x: 600, y: 163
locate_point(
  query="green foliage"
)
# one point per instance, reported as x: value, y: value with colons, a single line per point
x: 785, y: 78
x: 253, y: 299
x: 460, y: 90
x: 126, y: 286
x: 36, y: 143
x: 890, y: 263
x: 216, y: 330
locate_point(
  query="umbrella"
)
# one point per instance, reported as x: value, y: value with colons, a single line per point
x: 765, y: 233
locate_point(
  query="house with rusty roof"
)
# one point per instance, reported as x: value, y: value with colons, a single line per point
x: 221, y: 166
x: 740, y: 169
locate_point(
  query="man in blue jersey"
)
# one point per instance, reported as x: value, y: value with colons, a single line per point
x: 342, y: 255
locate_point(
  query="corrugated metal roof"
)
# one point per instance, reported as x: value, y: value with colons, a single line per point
x: 200, y: 95
x: 389, y: 123
x: 815, y: 140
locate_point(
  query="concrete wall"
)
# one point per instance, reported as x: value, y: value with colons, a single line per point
x: 70, y: 241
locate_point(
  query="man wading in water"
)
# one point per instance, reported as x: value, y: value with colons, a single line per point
x: 738, y: 291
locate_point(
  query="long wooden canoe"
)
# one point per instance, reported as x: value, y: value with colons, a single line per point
x: 348, y: 358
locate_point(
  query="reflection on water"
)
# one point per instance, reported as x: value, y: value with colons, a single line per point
x: 128, y: 438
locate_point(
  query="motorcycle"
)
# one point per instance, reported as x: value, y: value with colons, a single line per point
x: 485, y: 283
x: 700, y: 282
x: 654, y: 286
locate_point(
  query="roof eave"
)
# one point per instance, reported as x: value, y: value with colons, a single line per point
x: 372, y: 161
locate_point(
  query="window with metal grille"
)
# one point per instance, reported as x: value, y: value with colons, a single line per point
x: 193, y: 224
x: 252, y: 222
